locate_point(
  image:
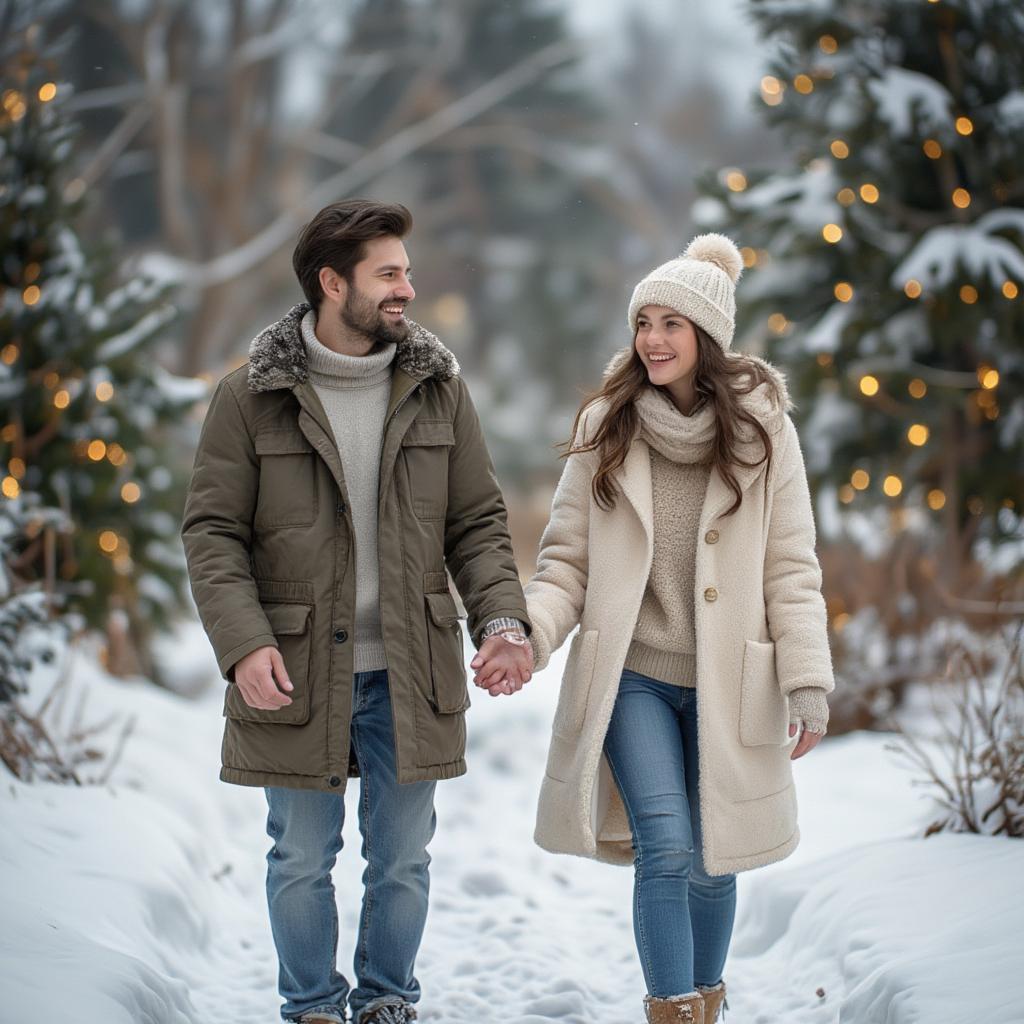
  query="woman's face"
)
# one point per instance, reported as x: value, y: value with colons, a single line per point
x: 667, y: 345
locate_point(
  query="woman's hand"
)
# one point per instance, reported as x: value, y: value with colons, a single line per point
x: 808, y: 741
x: 502, y: 666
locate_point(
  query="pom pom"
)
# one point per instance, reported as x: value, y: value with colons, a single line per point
x: 719, y: 250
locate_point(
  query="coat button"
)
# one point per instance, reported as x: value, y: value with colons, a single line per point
x: 711, y: 536
x: 340, y: 636
x: 334, y: 780
x: 711, y: 594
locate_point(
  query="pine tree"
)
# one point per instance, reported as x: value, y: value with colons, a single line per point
x: 885, y: 263
x: 88, y: 415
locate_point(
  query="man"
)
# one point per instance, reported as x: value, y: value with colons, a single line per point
x: 339, y: 474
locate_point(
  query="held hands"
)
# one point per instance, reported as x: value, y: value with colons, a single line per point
x: 262, y: 679
x: 807, y: 742
x: 502, y: 666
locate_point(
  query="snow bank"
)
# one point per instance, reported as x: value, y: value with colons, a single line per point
x: 142, y: 902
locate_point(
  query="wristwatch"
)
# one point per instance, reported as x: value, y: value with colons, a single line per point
x: 513, y: 637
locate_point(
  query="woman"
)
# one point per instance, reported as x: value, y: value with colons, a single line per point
x: 681, y: 542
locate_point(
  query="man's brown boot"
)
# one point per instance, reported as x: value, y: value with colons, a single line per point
x: 714, y: 1000
x: 687, y: 1009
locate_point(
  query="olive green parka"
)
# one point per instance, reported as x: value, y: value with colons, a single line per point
x: 270, y: 548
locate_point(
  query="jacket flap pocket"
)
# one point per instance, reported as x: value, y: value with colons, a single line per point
x: 287, y: 619
x: 424, y: 433
x: 442, y: 607
x: 764, y: 711
x: 282, y: 441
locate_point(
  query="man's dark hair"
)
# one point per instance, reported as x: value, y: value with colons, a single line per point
x: 336, y: 237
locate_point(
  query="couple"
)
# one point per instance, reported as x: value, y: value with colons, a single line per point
x: 342, y: 472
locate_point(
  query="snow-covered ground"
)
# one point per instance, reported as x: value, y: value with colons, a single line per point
x: 141, y: 902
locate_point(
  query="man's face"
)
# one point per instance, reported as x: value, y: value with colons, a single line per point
x: 378, y: 293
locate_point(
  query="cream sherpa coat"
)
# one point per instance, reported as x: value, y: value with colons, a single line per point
x: 761, y: 633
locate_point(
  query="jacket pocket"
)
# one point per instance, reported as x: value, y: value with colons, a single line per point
x: 448, y: 693
x: 290, y: 623
x: 288, y: 492
x: 575, y: 689
x: 425, y: 450
x: 764, y: 711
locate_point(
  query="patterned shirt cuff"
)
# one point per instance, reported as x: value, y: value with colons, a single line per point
x: 500, y: 625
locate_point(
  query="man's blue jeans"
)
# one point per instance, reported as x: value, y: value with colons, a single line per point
x: 682, y: 916
x: 397, y: 823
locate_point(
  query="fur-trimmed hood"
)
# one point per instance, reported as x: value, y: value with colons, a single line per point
x: 769, y: 402
x: 277, y: 355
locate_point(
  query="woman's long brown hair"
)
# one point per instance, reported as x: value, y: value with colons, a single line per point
x: 718, y: 380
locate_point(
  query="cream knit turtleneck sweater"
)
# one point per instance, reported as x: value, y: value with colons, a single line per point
x: 354, y: 392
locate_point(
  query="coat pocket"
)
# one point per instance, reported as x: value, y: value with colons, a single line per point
x: 575, y: 690
x: 425, y: 450
x: 448, y: 691
x: 287, y: 492
x: 764, y: 711
x: 290, y: 623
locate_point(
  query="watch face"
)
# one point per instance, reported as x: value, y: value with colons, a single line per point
x: 514, y: 638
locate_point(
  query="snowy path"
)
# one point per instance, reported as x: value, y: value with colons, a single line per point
x: 143, y: 903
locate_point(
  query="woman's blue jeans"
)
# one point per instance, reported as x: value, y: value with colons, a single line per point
x: 397, y: 823
x: 682, y: 916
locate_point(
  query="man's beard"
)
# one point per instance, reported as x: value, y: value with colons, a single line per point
x: 359, y: 314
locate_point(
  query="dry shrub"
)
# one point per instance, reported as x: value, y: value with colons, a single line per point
x: 974, y: 769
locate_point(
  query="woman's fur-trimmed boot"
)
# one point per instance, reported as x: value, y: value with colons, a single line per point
x: 686, y: 1009
x: 714, y: 999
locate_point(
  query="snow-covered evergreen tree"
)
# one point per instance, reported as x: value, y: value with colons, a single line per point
x: 88, y: 415
x: 885, y: 264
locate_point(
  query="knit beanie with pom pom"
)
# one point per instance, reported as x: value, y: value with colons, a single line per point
x: 700, y: 284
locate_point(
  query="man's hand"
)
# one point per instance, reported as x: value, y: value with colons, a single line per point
x: 501, y: 666
x: 258, y: 677
x: 807, y: 742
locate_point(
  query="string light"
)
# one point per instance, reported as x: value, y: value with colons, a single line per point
x: 869, y: 193
x: 10, y: 487
x: 917, y: 388
x: 96, y: 450
x: 912, y: 289
x: 843, y: 291
x: 839, y: 149
x: 47, y: 92
x: 104, y: 391
x: 778, y: 323
x: 9, y: 354
x: 803, y: 84
x: 846, y: 494
x: 9, y: 433
x: 964, y: 125
x: 31, y: 295
x: 108, y: 541
x: 16, y: 467
x: 832, y: 233
x: 51, y: 379
x: 749, y: 256
x: 735, y: 180
x: 892, y: 485
x: 961, y: 198
x: 932, y: 149
x: 936, y: 499
x: 918, y: 434
x: 968, y: 294
x: 869, y: 385
x: 824, y: 359
x: 131, y: 492
x: 860, y: 479
x: 771, y: 90
x: 988, y: 377
x: 828, y: 44
x: 116, y: 455
x: 1010, y: 290
x: 32, y: 271
x: 846, y: 196
x: 62, y: 399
